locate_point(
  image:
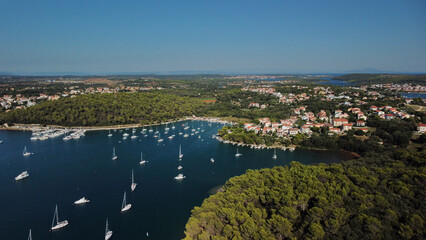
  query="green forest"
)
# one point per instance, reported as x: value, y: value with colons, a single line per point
x: 376, y: 197
x: 106, y: 109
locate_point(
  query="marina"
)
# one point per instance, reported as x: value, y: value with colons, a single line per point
x: 84, y: 167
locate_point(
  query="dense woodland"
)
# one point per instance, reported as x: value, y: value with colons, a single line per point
x: 376, y: 197
x: 106, y: 109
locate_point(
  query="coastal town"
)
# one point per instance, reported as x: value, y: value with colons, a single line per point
x: 356, y: 108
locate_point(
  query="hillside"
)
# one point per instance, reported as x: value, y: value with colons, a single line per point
x: 106, y: 109
x: 369, y: 198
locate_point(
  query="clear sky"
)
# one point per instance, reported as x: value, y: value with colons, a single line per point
x: 297, y: 36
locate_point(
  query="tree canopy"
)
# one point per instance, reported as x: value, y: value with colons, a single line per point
x: 369, y: 198
x: 106, y: 109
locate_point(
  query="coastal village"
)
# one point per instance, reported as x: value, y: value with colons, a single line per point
x: 302, y: 121
x: 354, y: 106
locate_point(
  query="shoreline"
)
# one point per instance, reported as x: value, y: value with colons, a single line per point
x: 36, y: 127
x: 255, y: 146
x: 354, y: 155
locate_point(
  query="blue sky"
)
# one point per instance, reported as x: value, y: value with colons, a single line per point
x: 212, y: 36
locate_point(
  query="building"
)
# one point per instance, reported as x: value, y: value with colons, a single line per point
x: 339, y: 122
x: 360, y: 123
x: 421, y: 128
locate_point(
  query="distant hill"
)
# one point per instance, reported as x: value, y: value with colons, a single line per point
x: 363, y: 78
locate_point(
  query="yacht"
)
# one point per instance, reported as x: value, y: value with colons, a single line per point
x: 108, y: 233
x: 125, y: 135
x: 25, y: 152
x: 133, y: 186
x: 180, y: 176
x: 238, y: 154
x: 109, y: 133
x: 44, y: 137
x: 22, y: 176
x: 58, y: 224
x: 180, y: 133
x: 275, y: 154
x: 170, y: 137
x: 81, y: 201
x: 159, y: 138
x: 142, y: 161
x: 114, y: 157
x: 66, y: 138
x: 179, y: 168
x: 33, y: 138
x: 180, y: 152
x: 186, y: 135
x: 124, y: 205
x: 211, y: 160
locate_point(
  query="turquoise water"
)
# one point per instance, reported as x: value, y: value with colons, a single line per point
x: 62, y: 172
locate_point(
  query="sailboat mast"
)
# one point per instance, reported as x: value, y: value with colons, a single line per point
x: 106, y: 227
x: 57, y: 215
x: 54, y: 216
x: 132, y: 177
x: 124, y: 201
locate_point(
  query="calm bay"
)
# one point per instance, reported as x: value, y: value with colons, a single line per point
x: 62, y: 172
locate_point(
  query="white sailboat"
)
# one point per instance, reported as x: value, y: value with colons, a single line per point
x: 179, y: 167
x: 133, y: 186
x: 133, y: 136
x: 22, y: 175
x: 109, y: 133
x: 56, y: 224
x: 124, y: 205
x: 108, y: 233
x: 167, y: 128
x: 159, y: 138
x: 212, y: 160
x: 275, y: 154
x: 142, y: 161
x: 173, y: 127
x: 81, y: 201
x: 150, y: 129
x: 180, y: 176
x: 114, y: 157
x: 29, y: 236
x: 180, y: 152
x: 25, y: 152
x: 238, y: 154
